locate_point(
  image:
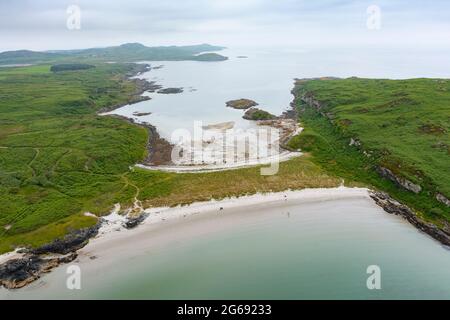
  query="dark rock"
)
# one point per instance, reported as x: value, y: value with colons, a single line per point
x: 170, y: 90
x: 394, y: 207
x: 402, y: 182
x: 17, y: 273
x: 134, y: 222
x: 141, y: 114
x: 70, y: 243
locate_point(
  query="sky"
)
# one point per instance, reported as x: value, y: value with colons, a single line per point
x: 42, y: 24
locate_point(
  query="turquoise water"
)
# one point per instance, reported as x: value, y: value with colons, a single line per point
x: 302, y: 251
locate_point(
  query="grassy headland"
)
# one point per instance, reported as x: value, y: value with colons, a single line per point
x: 354, y: 127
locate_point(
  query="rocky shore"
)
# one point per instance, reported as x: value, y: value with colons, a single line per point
x: 392, y: 206
x: 32, y: 263
x: 159, y: 149
x: 439, y: 231
x: 141, y: 85
x: 28, y: 264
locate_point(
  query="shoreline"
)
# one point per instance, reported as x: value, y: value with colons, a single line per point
x: 22, y: 267
x: 115, y: 238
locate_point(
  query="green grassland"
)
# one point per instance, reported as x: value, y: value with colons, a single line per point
x: 402, y: 125
x: 60, y: 159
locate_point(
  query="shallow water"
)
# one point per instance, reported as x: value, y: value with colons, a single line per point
x: 299, y: 251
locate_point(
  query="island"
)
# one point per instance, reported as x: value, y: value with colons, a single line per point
x: 170, y: 90
x: 258, y: 114
x: 241, y: 104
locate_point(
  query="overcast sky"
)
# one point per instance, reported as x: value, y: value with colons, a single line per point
x: 41, y: 24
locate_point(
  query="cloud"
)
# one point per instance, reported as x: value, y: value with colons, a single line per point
x: 41, y: 24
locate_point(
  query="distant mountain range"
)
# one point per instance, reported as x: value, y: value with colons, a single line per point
x: 129, y: 52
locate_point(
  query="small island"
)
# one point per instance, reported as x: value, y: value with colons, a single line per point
x: 209, y: 57
x: 141, y: 114
x: 170, y: 90
x: 241, y: 104
x: 258, y: 114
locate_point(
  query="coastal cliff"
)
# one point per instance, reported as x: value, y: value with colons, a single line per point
x: 348, y: 131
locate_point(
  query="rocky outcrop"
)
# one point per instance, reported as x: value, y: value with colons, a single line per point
x: 309, y: 99
x: 141, y: 114
x: 402, y: 182
x: 17, y: 273
x: 441, y: 198
x: 394, y: 207
x: 159, y: 149
x: 141, y: 86
x: 241, y: 104
x: 170, y: 90
x: 354, y: 142
x: 134, y: 222
x: 258, y: 114
x: 70, y: 243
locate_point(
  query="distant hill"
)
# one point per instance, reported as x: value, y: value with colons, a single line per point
x: 126, y: 52
x: 26, y: 56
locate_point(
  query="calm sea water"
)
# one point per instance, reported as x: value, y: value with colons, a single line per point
x: 266, y: 76
x: 313, y: 250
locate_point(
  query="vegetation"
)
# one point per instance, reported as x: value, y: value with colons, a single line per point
x: 209, y: 57
x: 241, y: 104
x: 59, y: 159
x: 402, y: 125
x: 258, y: 114
x: 70, y: 67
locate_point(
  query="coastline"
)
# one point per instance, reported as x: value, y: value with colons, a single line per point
x: 23, y: 266
x: 114, y: 238
x: 113, y: 235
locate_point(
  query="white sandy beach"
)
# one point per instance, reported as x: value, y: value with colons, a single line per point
x: 114, y: 240
x: 186, y: 251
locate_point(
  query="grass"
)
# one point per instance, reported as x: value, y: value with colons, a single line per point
x: 396, y: 123
x: 59, y: 159
x: 170, y: 189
